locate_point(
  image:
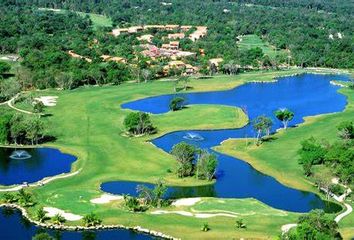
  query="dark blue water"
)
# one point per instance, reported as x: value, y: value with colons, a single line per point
x: 14, y: 227
x: 44, y: 162
x: 305, y: 95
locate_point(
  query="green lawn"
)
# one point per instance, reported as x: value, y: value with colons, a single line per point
x: 253, y: 41
x: 98, y: 20
x: 212, y: 117
x: 88, y: 123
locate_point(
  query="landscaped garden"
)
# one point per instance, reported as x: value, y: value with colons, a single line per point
x: 88, y: 123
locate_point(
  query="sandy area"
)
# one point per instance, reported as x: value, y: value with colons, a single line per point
x: 51, y: 212
x: 106, y: 198
x: 184, y: 213
x: 197, y: 215
x: 285, y: 228
x: 210, y: 215
x: 48, y: 101
x: 186, y: 202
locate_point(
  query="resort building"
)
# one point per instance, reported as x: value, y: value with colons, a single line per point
x: 185, y: 28
x: 147, y: 37
x: 171, y: 27
x: 75, y: 55
x: 176, y: 35
x: 187, y: 68
x: 199, y: 33
x: 215, y: 61
x: 108, y: 58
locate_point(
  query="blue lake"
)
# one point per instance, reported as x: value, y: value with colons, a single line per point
x: 305, y: 95
x: 13, y: 226
x: 32, y: 165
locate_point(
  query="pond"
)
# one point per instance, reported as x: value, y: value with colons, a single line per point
x: 305, y: 95
x: 32, y: 164
x: 14, y: 226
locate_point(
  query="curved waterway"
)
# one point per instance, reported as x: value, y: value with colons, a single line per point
x: 32, y: 164
x: 14, y: 226
x: 305, y: 95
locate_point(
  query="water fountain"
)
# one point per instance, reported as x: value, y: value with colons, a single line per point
x: 20, y: 155
x: 193, y: 136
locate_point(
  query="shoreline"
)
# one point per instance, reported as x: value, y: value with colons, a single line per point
x: 41, y: 182
x: 83, y: 228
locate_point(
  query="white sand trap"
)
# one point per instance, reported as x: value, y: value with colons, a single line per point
x: 285, y: 228
x: 184, y: 213
x: 48, y: 101
x: 197, y: 215
x: 51, y: 212
x: 210, y: 215
x: 186, y: 202
x: 106, y: 198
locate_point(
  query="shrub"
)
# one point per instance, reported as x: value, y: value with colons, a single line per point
x: 176, y: 103
x: 138, y: 123
x: 133, y: 204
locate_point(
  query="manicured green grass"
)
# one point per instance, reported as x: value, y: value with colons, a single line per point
x: 98, y: 20
x: 249, y: 210
x: 214, y: 116
x: 253, y: 41
x: 285, y: 165
x: 88, y: 123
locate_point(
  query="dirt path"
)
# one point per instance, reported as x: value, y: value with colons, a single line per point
x: 347, y: 212
x: 10, y: 104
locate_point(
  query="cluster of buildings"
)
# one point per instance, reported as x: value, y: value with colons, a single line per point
x: 201, y: 31
x: 170, y: 51
x: 177, y: 64
x: 105, y: 58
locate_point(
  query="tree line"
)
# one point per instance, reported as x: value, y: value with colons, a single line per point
x: 43, y: 38
x: 17, y: 128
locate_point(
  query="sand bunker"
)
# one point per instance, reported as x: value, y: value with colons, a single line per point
x: 197, y: 215
x: 186, y: 202
x: 51, y: 212
x: 48, y: 101
x: 183, y: 213
x: 285, y: 228
x: 106, y: 198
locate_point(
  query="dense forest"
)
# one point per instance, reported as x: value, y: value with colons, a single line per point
x: 316, y: 33
x: 301, y: 26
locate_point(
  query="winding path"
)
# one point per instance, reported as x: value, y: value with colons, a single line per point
x: 347, y: 212
x: 10, y: 104
x: 285, y: 228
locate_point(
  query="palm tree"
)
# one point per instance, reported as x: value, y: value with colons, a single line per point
x: 41, y: 215
x: 58, y: 219
x: 91, y: 220
x: 205, y: 227
x: 240, y: 224
x: 25, y: 199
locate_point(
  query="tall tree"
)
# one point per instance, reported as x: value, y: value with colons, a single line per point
x: 206, y: 165
x: 185, y: 155
x: 285, y: 116
x: 262, y: 125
